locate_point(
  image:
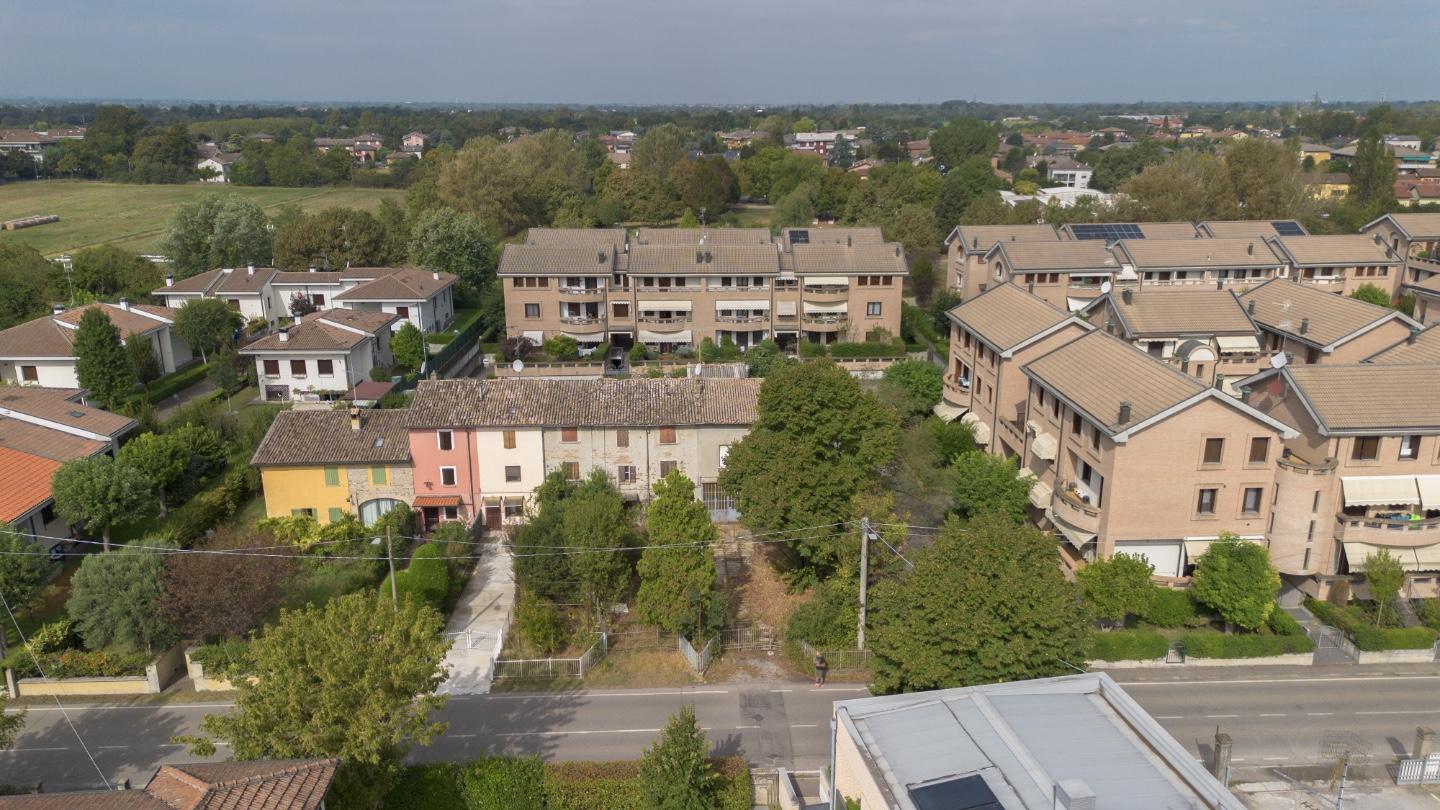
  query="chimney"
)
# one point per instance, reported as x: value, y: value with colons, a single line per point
x: 169, y: 279
x: 1127, y: 295
x: 125, y: 304
x: 1304, y: 326
x: 435, y: 275
x: 1250, y: 249
x: 250, y: 270
x: 285, y: 335
x: 1250, y: 306
x: 699, y: 257
x: 1074, y: 794
x: 601, y: 256
x: 975, y: 243
x: 849, y: 241
x: 1414, y: 334
x: 57, y: 309
x: 299, y: 318
x: 709, y: 257
x: 227, y: 269
x: 1124, y: 412
x: 354, y: 418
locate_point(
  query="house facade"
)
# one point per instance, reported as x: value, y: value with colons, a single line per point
x: 244, y: 289
x: 323, y: 355
x: 1311, y: 325
x: 41, y: 352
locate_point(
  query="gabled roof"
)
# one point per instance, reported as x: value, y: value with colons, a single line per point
x: 557, y: 260
x: 307, y: 277
x: 38, y: 440
x: 331, y: 330
x: 714, y: 259
x: 1150, y: 230
x: 130, y: 319
x: 1334, y: 250
x: 1029, y: 257
x: 576, y: 237
x: 1172, y: 312
x: 284, y: 784
x: 308, y: 438
x: 843, y: 260
x: 639, y: 402
x: 1007, y: 317
x: 980, y: 238
x: 1414, y: 226
x: 1151, y: 254
x: 404, y: 284
x: 1248, y: 228
x: 62, y: 408
x: 1368, y: 398
x: 1419, y: 348
x: 827, y: 235
x: 1328, y: 319
x: 27, y: 482
x: 693, y: 237
x: 47, y: 337
x: 229, y: 280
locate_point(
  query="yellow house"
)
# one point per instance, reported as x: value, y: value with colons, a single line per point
x: 1327, y: 185
x: 326, y: 464
x: 1319, y: 152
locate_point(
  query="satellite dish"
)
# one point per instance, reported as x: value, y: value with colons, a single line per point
x: 518, y: 365
x: 1278, y: 360
x: 1105, y: 288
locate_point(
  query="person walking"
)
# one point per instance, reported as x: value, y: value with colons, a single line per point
x: 821, y: 666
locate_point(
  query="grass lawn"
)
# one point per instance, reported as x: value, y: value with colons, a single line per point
x: 753, y: 216
x: 133, y: 216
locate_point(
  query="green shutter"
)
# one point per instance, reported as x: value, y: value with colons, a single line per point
x: 377, y: 475
x: 332, y: 476
x: 336, y: 514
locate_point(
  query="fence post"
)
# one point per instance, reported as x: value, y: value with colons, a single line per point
x: 1424, y: 742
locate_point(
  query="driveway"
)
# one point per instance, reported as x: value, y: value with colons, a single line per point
x: 477, y: 627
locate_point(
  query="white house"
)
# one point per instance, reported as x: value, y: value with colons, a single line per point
x: 323, y: 355
x: 422, y: 297
x: 1066, y: 173
x: 245, y: 289
x: 41, y: 352
x: 220, y: 164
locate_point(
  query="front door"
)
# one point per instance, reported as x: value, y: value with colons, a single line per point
x: 492, y: 518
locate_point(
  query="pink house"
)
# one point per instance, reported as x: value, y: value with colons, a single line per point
x: 446, y: 487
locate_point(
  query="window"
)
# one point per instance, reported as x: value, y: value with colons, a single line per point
x: 450, y: 512
x: 1095, y: 438
x: 512, y: 474
x: 621, y: 310
x: 667, y: 435
x: 532, y: 310
x: 336, y: 514
x: 447, y: 476
x: 1075, y: 424
x: 297, y: 368
x: 1365, y: 448
x: 1205, y: 503
x: 325, y: 368
x: 1409, y: 448
x: 863, y: 281
x: 626, y: 473
x: 445, y: 439
x: 622, y: 438
x: 667, y: 467
x: 317, y: 299
x: 378, y: 475
x: 572, y: 471
x: 1259, y: 449
x: 1250, y: 505
x: 304, y: 512
x: 508, y: 437
x: 403, y: 312
x: 332, y: 476
x: 32, y: 374
x: 47, y: 514
x: 872, y: 309
x: 1055, y: 409
x: 234, y: 303
x: 1214, y: 451
x: 514, y: 509
x: 965, y: 339
x: 272, y: 368
x: 569, y: 435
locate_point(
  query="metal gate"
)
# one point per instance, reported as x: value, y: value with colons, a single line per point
x: 1419, y: 771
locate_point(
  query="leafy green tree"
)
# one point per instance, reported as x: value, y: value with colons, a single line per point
x: 1114, y: 166
x: 676, y: 772
x: 819, y: 440
x: 795, y: 208
x: 961, y: 186
x: 340, y: 680
x: 206, y: 324
x: 106, y: 271
x: 1372, y: 172
x: 115, y: 129
x: 988, y: 484
x: 168, y: 157
x: 456, y: 243
x: 23, y: 570
x: 917, y: 385
x: 707, y: 184
x: 101, y: 364
x: 659, y: 150
x: 141, y: 355
x: 562, y: 348
x: 1190, y: 185
x: 594, y: 523
x: 161, y: 457
x: 1117, y: 587
x: 677, y: 567
x: 1266, y: 179
x: 540, y: 623
x: 1236, y: 579
x: 100, y: 492
x: 25, y: 277
x: 1384, y: 575
x: 961, y: 139
x: 332, y: 238
x: 115, y: 599
x: 224, y: 372
x: 216, y: 231
x: 407, y: 346
x: 985, y: 603
x: 1371, y: 294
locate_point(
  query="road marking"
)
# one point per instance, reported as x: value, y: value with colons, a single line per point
x: 587, y: 695
x: 1270, y: 715
x: 1403, y: 711
x: 569, y: 733
x: 1132, y: 684
x: 113, y: 707
x: 1169, y: 717
x: 840, y: 689
x: 1273, y: 759
x: 1237, y: 759
x: 1319, y: 714
x: 806, y: 725
x: 1219, y: 716
x: 460, y: 736
x: 30, y: 750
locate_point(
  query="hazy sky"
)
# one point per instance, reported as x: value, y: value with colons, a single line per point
x: 722, y: 51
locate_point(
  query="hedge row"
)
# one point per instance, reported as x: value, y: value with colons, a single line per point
x: 1126, y: 645
x: 77, y: 664
x: 1247, y: 645
x: 1367, y: 637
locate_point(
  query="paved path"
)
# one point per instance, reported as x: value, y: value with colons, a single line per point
x: 168, y: 405
x: 477, y: 626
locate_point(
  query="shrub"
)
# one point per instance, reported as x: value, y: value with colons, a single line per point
x: 594, y: 786
x: 847, y: 349
x: 540, y: 623
x: 433, y: 786
x: 562, y: 348
x: 225, y: 659
x: 1333, y: 615
x: 504, y: 782
x: 828, y: 620
x: 1428, y: 610
x: 638, y: 353
x: 426, y: 579
x: 1126, y: 645
x: 602, y: 350
x: 1168, y: 608
x: 1238, y: 645
x: 78, y: 663
x: 1376, y: 639
x: 1283, y: 624
x: 810, y: 349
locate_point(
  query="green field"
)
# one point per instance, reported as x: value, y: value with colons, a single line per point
x: 133, y: 216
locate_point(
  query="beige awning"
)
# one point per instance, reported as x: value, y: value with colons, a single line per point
x: 786, y: 308
x: 979, y: 428
x: 683, y: 336
x: 1237, y: 344
x: 673, y: 306
x: 1412, y: 558
x: 948, y: 412
x: 1077, y: 537
x: 826, y: 309
x: 584, y: 337
x: 1380, y: 490
x: 763, y: 305
x: 839, y: 281
x: 1040, y: 494
x: 1195, y: 546
x: 1429, y: 486
x: 1045, y: 446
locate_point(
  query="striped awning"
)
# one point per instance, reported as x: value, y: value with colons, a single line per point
x: 1077, y: 537
x: 836, y: 281
x: 683, y: 336
x: 1237, y: 344
x: 948, y: 412
x: 1045, y: 446
x: 1429, y: 487
x: 826, y: 309
x: 1380, y: 490
x: 979, y: 428
x: 761, y: 305
x: 1040, y: 495
x: 673, y: 306
x: 786, y: 308
x: 1412, y: 558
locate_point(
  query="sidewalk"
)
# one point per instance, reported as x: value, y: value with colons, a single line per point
x: 477, y: 627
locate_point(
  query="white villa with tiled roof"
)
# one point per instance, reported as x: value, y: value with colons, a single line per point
x: 41, y: 352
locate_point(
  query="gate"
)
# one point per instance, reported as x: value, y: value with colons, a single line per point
x: 1419, y: 771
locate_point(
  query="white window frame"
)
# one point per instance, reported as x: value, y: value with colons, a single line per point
x: 454, y: 477
x: 439, y: 445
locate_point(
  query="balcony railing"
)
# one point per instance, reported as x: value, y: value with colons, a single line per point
x: 740, y: 318
x: 739, y: 288
x: 1380, y: 531
x: 827, y: 289
x: 582, y: 320
x: 1296, y: 464
x: 1069, y: 508
x: 651, y: 319
x: 826, y: 320
x: 647, y: 289
x: 587, y: 292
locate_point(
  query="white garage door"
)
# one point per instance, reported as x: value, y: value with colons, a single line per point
x: 1165, y: 555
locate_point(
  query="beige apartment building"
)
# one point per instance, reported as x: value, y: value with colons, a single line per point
x: 1205, y: 333
x: 1414, y: 238
x: 1311, y: 325
x: 1341, y: 263
x: 967, y: 245
x: 1068, y: 275
x: 1218, y: 263
x: 1362, y: 475
x: 1420, y: 347
x: 673, y: 288
x: 1250, y: 228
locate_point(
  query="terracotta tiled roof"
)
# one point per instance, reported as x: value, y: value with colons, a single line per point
x: 320, y: 332
x: 980, y: 238
x: 723, y: 259
x: 1418, y: 226
x: 1007, y: 315
x: 27, y: 482
x: 1081, y: 255
x: 128, y: 322
x: 835, y: 236
x: 37, y: 440
x: 303, y: 438
x: 231, y: 280
x: 1282, y: 306
x: 1342, y: 250
x: 1149, y: 254
x: 843, y: 260
x: 708, y: 237
x: 583, y: 403
x: 405, y: 284
x: 1370, y: 397
x: 1097, y: 372
x: 286, y: 784
x: 1180, y: 312
x: 1425, y: 349
x: 62, y: 406
x: 590, y: 238
x: 557, y: 260
x: 44, y: 337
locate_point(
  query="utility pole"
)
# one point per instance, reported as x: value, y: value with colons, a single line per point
x: 866, y: 534
x: 390, y: 557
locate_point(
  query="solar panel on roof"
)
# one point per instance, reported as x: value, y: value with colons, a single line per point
x: 1286, y: 227
x: 799, y: 237
x: 1109, y: 231
x: 965, y: 793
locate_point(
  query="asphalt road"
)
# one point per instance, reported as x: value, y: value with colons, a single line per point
x: 1273, y: 719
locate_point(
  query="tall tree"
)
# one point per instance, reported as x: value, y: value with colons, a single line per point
x: 677, y: 567
x: 215, y: 231
x: 332, y: 238
x: 106, y: 271
x: 1190, y: 186
x: 100, y: 492
x: 1237, y: 580
x: 1117, y: 587
x: 407, y: 346
x: 25, y: 276
x: 1372, y: 172
x: 1267, y: 180
x: 961, y: 139
x: 220, y: 595
x: 819, y: 440
x: 115, y: 600
x: 206, y: 324
x: 595, y: 524
x: 659, y: 150
x: 22, y: 571
x: 1384, y: 575
x: 141, y: 354
x: 162, y: 458
x: 455, y: 243
x: 676, y: 772
x: 986, y: 484
x: 914, y: 386
x: 985, y: 603
x: 101, y: 365
x: 341, y: 680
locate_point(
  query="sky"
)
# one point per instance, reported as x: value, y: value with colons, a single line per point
x: 720, y: 52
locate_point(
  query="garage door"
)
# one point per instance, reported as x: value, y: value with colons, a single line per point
x: 1164, y: 555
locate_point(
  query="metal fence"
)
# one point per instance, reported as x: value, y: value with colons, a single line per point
x: 462, y: 342
x: 840, y: 660
x: 1419, y: 771
x: 749, y: 637
x: 698, y: 661
x: 541, y: 668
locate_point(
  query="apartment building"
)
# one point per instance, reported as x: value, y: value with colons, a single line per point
x: 1205, y: 333
x: 1135, y: 456
x: 1341, y: 263
x: 322, y: 355
x: 1250, y: 228
x: 1221, y: 262
x: 992, y: 337
x: 1068, y: 275
x: 328, y: 463
x: 1112, y: 232
x: 673, y: 288
x: 1314, y: 326
x: 1362, y: 475
x: 1413, y: 237
x: 966, y: 246
x: 1420, y: 347
x: 481, y: 447
x: 42, y: 351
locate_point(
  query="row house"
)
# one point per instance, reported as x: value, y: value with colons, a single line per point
x: 244, y: 289
x: 967, y: 245
x: 1341, y: 263
x: 1221, y: 262
x: 327, y: 464
x: 673, y: 288
x: 1249, y: 228
x: 481, y: 447
x: 1205, y: 333
x: 1415, y: 239
x: 1420, y: 347
x: 1363, y: 474
x: 1066, y: 274
x: 41, y: 352
x: 1313, y: 326
x: 323, y: 355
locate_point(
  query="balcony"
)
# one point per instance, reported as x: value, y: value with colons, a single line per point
x: 673, y: 289
x: 1075, y: 512
x: 582, y: 292
x: 1295, y: 464
x: 664, y: 324
x: 826, y: 292
x: 739, y: 288
x: 826, y: 323
x: 956, y: 391
x: 1380, y: 531
x: 583, y: 320
x: 740, y: 319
